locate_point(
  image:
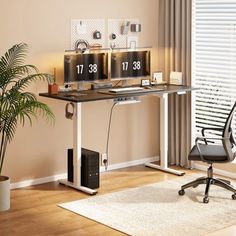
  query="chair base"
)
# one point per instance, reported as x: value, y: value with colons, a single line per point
x: 209, y: 180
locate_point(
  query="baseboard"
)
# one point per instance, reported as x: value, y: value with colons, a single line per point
x: 31, y: 182
x: 216, y: 171
x: 129, y: 163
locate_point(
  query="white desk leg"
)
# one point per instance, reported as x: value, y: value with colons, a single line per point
x: 77, y: 154
x: 164, y: 139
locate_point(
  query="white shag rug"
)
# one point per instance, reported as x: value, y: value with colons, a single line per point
x: 158, y: 210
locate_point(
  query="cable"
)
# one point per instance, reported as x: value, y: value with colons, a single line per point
x: 108, y: 135
x: 105, y: 161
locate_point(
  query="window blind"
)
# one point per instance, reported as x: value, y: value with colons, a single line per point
x: 214, y: 61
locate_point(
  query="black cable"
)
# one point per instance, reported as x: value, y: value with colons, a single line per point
x: 108, y: 134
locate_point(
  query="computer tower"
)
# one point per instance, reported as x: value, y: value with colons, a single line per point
x: 89, y: 168
x: 70, y: 168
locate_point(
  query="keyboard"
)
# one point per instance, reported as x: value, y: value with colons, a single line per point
x: 125, y: 90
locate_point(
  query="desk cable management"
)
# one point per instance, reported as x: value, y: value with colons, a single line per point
x: 131, y: 100
x: 105, y: 162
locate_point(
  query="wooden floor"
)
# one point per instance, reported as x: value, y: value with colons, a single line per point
x: 34, y: 209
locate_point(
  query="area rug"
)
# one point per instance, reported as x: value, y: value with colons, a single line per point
x: 158, y: 210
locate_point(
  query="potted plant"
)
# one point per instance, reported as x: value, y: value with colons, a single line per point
x: 16, y: 104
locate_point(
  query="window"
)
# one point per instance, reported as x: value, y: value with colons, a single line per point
x: 214, y: 61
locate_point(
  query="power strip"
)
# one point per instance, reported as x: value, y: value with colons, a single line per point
x: 126, y: 100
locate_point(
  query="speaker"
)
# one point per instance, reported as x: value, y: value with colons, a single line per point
x: 89, y: 168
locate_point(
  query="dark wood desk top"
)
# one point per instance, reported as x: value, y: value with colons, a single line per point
x: 104, y: 94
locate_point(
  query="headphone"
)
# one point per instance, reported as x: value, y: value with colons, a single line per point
x: 68, y: 114
x: 81, y: 45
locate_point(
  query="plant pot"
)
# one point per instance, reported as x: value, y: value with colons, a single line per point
x: 4, y: 193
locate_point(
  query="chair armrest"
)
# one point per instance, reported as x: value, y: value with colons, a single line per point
x: 217, y: 129
x: 213, y: 138
x: 211, y: 128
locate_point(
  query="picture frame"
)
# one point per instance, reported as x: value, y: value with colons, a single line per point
x: 157, y: 76
x: 176, y: 78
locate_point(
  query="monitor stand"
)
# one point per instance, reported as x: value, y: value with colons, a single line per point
x: 80, y: 87
x: 124, y: 83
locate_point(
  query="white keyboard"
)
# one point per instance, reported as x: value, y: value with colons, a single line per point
x: 128, y: 89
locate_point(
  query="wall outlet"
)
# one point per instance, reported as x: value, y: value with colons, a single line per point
x: 103, y: 159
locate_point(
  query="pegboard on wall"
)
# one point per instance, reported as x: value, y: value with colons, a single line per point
x: 121, y: 40
x: 84, y: 29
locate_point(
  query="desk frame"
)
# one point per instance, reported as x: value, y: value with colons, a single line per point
x: 77, y: 154
x: 164, y: 139
x: 77, y: 146
x: 94, y: 96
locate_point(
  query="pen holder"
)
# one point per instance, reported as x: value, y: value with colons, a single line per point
x: 53, y: 89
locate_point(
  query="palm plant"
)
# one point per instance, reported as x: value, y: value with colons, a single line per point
x: 16, y: 104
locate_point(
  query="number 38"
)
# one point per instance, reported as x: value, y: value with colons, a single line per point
x: 136, y: 65
x: 93, y: 68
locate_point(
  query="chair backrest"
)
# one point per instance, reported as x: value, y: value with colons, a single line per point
x: 229, y: 142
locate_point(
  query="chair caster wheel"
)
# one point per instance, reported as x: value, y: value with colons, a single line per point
x: 181, y: 192
x: 234, y: 196
x: 205, y: 200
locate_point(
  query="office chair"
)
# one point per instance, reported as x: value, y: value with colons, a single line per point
x: 210, y: 153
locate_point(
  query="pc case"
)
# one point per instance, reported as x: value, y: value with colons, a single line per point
x: 70, y: 168
x: 89, y: 168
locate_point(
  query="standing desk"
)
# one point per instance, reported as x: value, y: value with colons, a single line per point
x: 95, y: 95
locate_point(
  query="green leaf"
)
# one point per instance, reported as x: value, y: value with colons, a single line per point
x: 16, y: 104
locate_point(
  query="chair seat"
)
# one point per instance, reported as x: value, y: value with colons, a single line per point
x: 211, y: 153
